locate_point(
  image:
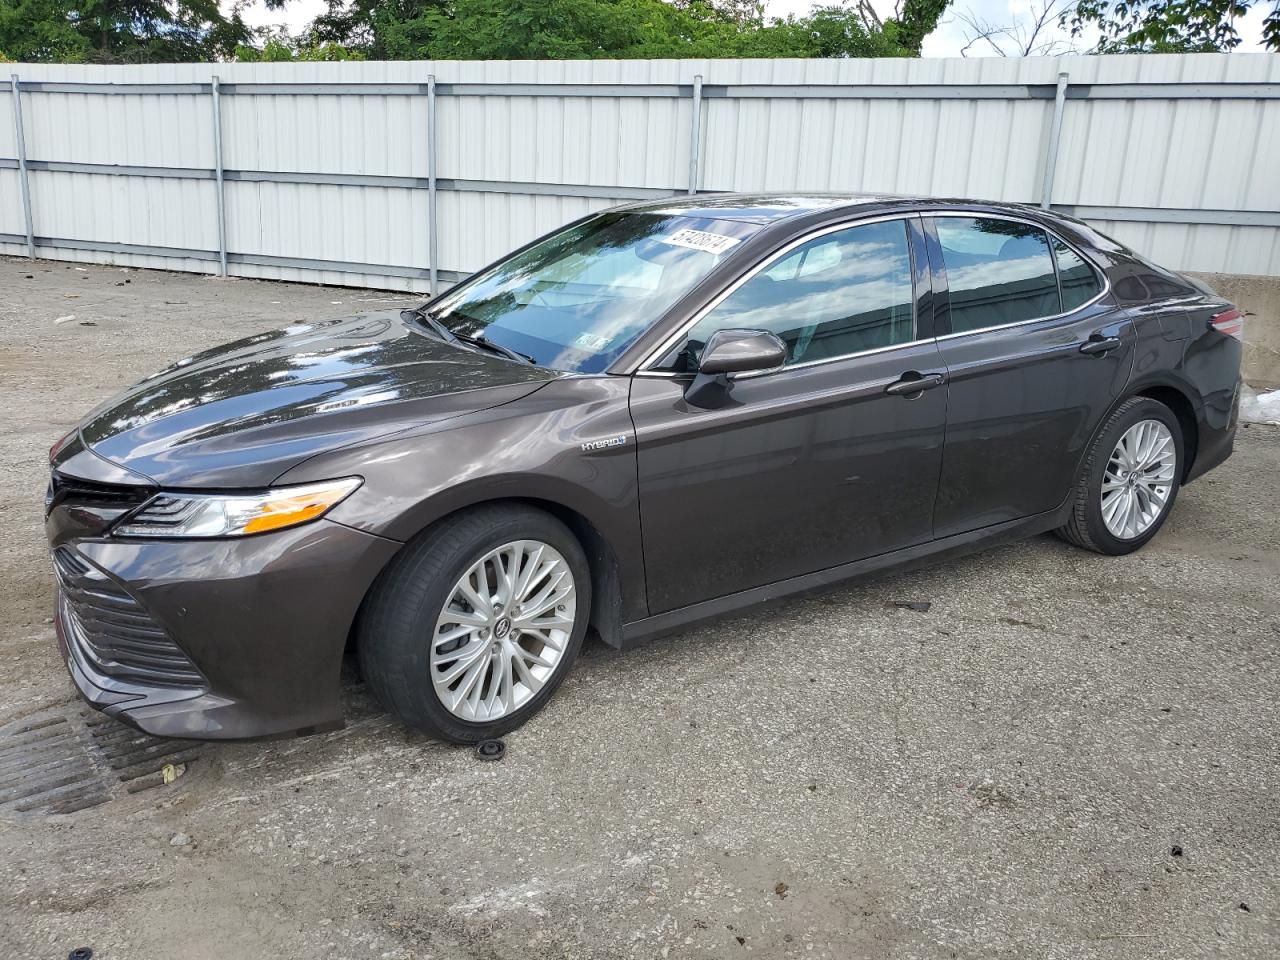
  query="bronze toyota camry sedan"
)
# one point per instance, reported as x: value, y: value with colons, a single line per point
x: 661, y: 413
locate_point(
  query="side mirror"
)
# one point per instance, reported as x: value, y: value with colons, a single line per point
x: 738, y: 351
x: 732, y: 351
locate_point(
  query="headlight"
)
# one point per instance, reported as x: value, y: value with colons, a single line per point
x: 234, y: 514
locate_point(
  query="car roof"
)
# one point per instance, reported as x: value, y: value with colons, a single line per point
x: 754, y: 207
x: 763, y: 208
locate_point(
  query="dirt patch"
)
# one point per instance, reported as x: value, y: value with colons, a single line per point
x: 1002, y: 774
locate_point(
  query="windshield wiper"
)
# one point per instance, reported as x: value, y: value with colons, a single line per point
x: 481, y: 341
x: 486, y: 343
x: 437, y: 327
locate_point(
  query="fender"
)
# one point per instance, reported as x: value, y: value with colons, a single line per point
x: 544, y: 448
x: 1198, y: 376
x: 1161, y: 363
x: 1188, y: 412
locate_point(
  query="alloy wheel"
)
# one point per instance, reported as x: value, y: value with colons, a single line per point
x: 503, y: 631
x: 1139, y: 479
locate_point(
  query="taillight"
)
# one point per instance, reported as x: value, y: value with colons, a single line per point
x: 1230, y: 322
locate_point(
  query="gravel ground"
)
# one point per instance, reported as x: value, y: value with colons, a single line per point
x: 1007, y: 775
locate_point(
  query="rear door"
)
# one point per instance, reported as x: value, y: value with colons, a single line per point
x: 1035, y: 355
x: 811, y: 465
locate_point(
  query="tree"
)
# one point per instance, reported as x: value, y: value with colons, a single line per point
x: 352, y: 24
x: 1170, y: 26
x: 843, y: 31
x: 280, y: 49
x: 526, y: 29
x: 1025, y: 35
x: 38, y: 30
x: 121, y: 31
x: 149, y: 31
x: 914, y: 20
x: 745, y: 12
x: 575, y: 29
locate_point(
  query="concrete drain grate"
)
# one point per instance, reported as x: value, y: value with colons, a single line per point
x: 68, y: 759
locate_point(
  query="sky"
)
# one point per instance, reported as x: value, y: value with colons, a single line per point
x: 949, y: 40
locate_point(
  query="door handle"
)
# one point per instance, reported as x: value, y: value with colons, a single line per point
x: 1100, y: 344
x: 913, y: 384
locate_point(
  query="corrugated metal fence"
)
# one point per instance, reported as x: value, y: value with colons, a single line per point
x: 401, y: 174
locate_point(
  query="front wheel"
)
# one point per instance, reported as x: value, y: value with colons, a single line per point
x: 1129, y: 480
x: 471, y: 630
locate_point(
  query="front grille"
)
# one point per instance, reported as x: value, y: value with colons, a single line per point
x: 114, y: 633
x: 110, y: 497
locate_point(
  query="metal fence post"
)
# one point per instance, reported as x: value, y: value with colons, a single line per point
x: 432, y: 244
x: 1051, y: 152
x: 217, y: 167
x: 695, y: 136
x: 24, y: 182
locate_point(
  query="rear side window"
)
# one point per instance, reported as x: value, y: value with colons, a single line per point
x: 998, y: 272
x: 842, y: 293
x: 1078, y: 280
x: 1149, y: 282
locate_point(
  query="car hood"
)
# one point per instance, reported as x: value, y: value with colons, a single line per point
x: 240, y: 415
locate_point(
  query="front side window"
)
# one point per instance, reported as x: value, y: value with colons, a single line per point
x: 998, y: 271
x: 841, y: 293
x: 577, y: 299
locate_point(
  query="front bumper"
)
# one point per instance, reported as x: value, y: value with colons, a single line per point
x: 256, y: 627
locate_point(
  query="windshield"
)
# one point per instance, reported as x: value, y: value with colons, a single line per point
x: 577, y: 299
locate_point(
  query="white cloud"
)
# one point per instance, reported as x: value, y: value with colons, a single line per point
x: 1250, y: 28
x: 296, y: 14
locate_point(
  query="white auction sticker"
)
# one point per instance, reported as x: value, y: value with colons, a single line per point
x: 701, y: 240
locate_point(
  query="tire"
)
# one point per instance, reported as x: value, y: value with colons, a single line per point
x: 405, y: 613
x: 1088, y: 525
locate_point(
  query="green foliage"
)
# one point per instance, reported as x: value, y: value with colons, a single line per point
x: 148, y: 31
x: 918, y: 19
x: 279, y: 49
x: 586, y: 29
x: 1170, y: 26
x: 119, y: 31
x: 352, y: 24
x: 831, y: 31
x: 39, y: 30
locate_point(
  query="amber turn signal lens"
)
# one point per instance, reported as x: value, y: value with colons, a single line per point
x: 289, y: 511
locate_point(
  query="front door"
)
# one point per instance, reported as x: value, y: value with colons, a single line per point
x: 808, y: 466
x: 1034, y: 357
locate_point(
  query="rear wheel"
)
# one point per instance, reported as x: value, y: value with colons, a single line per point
x: 471, y: 630
x: 1129, y: 480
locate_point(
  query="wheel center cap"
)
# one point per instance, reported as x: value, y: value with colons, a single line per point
x: 502, y: 628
